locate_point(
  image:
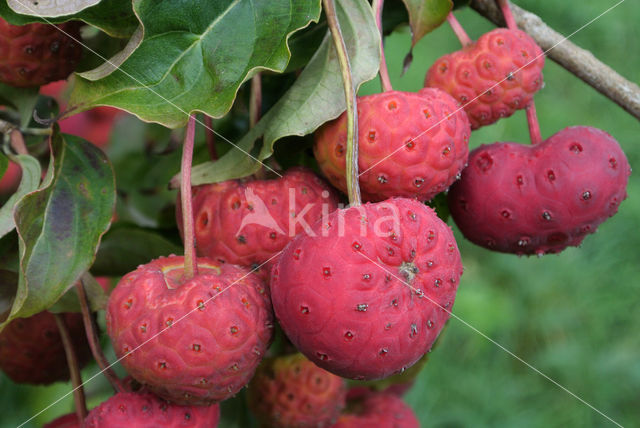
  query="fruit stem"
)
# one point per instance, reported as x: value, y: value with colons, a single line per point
x: 92, y: 337
x: 74, y: 370
x: 508, y: 16
x: 17, y: 142
x: 190, y: 262
x: 534, y: 126
x: 255, y: 100
x: 353, y: 187
x: 462, y: 35
x: 210, y: 136
x: 377, y: 6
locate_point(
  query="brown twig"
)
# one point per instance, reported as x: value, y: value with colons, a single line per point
x: 576, y: 60
x: 74, y: 369
x: 94, y: 342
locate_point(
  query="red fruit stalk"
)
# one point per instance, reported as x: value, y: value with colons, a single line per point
x: 378, y: 410
x: 138, y: 410
x: 377, y: 6
x: 191, y: 341
x: 458, y: 30
x: 493, y: 77
x: 367, y: 293
x: 36, y: 54
x: 542, y: 198
x: 31, y: 350
x: 290, y: 391
x: 412, y: 145
x: 248, y: 222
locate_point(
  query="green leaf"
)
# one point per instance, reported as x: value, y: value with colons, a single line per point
x: 316, y: 97
x: 70, y: 301
x: 4, y: 164
x: 60, y: 225
x: 426, y: 15
x: 28, y: 183
x: 22, y: 100
x: 124, y: 248
x: 114, y: 17
x: 193, y: 56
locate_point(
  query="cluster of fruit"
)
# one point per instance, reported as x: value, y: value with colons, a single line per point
x: 361, y: 292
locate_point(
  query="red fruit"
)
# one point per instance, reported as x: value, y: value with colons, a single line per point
x: 35, y: 54
x: 543, y: 198
x: 10, y: 180
x: 93, y: 125
x: 267, y: 209
x: 290, y: 391
x: 493, y: 77
x: 367, y: 294
x: 70, y: 420
x: 193, y: 341
x: 380, y: 411
x: 31, y: 350
x: 412, y: 145
x: 138, y: 410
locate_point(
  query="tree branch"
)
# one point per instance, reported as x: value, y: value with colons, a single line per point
x: 576, y: 60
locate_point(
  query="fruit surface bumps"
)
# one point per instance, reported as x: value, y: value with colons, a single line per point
x: 273, y: 211
x: 492, y: 77
x: 290, y: 391
x: 410, y: 145
x: 31, y: 350
x: 378, y: 410
x: 540, y: 199
x: 138, y: 410
x: 36, y: 54
x: 367, y: 296
x: 193, y: 341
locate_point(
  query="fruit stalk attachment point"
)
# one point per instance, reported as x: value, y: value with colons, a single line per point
x: 190, y: 262
x: 377, y: 6
x: 462, y: 35
x: 353, y: 187
x: 508, y: 16
x: 94, y: 342
x: 74, y: 369
x: 534, y: 126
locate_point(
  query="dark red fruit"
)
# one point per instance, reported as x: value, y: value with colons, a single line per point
x: 367, y: 294
x: 540, y: 199
x: 290, y: 391
x: 31, y: 350
x: 248, y: 222
x: 493, y: 77
x: 193, y: 341
x: 36, y: 54
x: 412, y: 145
x: 142, y: 410
x: 380, y: 411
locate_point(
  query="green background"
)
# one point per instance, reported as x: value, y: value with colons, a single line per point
x: 573, y: 316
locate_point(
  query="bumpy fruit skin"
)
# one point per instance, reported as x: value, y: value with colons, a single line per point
x: 196, y: 341
x: 378, y: 410
x: 290, y: 392
x: 412, y: 145
x: 138, y: 410
x: 70, y: 420
x: 220, y: 208
x: 367, y: 296
x: 540, y: 199
x: 31, y: 350
x: 493, y: 77
x: 36, y: 54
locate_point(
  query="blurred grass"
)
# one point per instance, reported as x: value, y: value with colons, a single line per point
x: 574, y: 316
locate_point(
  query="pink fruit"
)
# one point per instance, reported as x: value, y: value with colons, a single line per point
x: 70, y: 420
x: 412, y: 145
x: 543, y: 198
x: 380, y: 411
x: 493, y: 77
x: 193, y: 341
x: 290, y: 391
x: 31, y: 350
x: 249, y: 222
x: 366, y: 296
x: 142, y: 410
